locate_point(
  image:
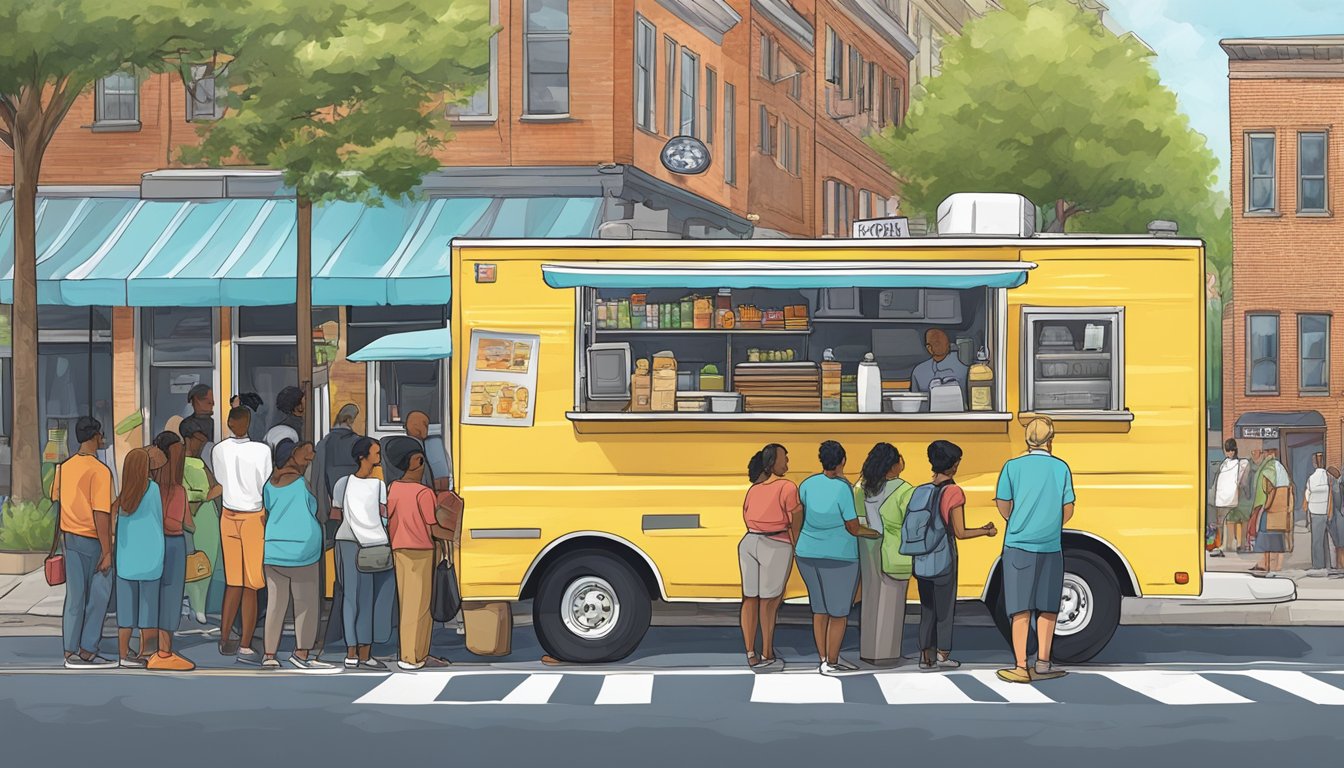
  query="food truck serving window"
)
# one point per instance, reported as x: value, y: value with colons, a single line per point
x: 884, y: 352
x: 1073, y: 359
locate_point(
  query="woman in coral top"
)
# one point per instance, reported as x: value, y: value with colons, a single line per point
x: 765, y: 553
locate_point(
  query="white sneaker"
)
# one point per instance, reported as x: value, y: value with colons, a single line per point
x: 201, y: 618
x: 410, y: 667
x: 827, y: 669
x: 352, y: 663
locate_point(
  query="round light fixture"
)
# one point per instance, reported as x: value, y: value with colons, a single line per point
x: 685, y: 154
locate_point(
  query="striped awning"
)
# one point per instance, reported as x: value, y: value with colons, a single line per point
x: 241, y: 252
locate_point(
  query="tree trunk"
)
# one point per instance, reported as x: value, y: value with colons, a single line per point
x: 303, y: 303
x: 25, y: 434
x: 1062, y: 214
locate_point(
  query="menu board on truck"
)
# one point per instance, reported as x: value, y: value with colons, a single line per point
x: 501, y: 379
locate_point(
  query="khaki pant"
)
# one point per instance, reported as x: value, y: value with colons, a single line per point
x: 302, y: 583
x: 415, y: 578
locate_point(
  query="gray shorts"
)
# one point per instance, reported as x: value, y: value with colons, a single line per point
x: 1032, y: 581
x: 765, y: 564
x: 831, y: 584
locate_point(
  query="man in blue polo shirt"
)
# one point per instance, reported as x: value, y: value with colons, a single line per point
x: 1035, y: 497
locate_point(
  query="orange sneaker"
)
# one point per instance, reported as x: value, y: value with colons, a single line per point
x: 170, y: 663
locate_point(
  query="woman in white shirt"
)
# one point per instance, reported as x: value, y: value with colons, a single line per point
x: 1317, y: 499
x: 362, y: 499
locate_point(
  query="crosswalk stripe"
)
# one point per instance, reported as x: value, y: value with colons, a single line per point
x: 797, y: 689
x: 536, y: 689
x: 1179, y: 688
x: 908, y: 688
x: 626, y: 689
x: 1013, y: 693
x: 407, y: 689
x: 1300, y: 685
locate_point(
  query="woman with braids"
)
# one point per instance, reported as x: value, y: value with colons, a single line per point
x: 881, y: 497
x: 765, y: 553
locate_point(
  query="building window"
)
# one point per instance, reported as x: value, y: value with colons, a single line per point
x: 405, y: 386
x: 265, y: 359
x: 1075, y: 359
x: 836, y: 207
x: 872, y: 84
x: 711, y: 103
x: 117, y: 100
x: 1313, y: 352
x: 797, y: 151
x: 74, y: 369
x: 865, y: 204
x: 483, y: 106
x: 1311, y: 188
x: 546, y: 48
x: 646, y: 73
x: 690, y: 86
x: 897, y: 105
x: 767, y: 133
x: 769, y: 58
x: 1262, y: 354
x: 203, y: 93
x: 730, y: 133
x: 178, y: 349
x: 835, y: 57
x: 1260, y: 193
x: 669, y: 86
x: 785, y: 159
x: 852, y: 71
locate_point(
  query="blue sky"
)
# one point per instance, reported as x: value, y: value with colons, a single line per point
x: 1185, y: 34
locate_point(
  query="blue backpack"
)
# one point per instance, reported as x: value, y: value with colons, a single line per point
x: 923, y: 534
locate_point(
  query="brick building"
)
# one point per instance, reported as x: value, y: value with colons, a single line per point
x: 1283, y: 358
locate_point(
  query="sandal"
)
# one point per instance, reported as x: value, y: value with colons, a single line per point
x: 753, y: 659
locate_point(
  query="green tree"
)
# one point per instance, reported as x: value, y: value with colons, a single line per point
x: 1041, y: 100
x: 349, y: 106
x: 52, y: 53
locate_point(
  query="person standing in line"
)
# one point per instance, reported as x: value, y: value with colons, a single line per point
x: 883, y: 496
x: 332, y: 460
x: 140, y: 551
x: 293, y: 548
x: 413, y: 529
x: 1035, y: 496
x: 362, y: 499
x: 291, y: 406
x: 1317, y: 500
x: 201, y: 405
x: 1336, y: 522
x: 938, y: 594
x: 202, y: 523
x: 828, y: 557
x: 417, y: 435
x: 242, y: 467
x: 1273, y: 513
x: 82, y: 489
x: 1227, y: 494
x: 172, y: 585
x: 765, y: 554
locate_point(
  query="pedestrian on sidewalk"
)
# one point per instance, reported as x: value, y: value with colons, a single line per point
x: 413, y: 532
x: 1227, y: 492
x: 1336, y: 521
x: 368, y: 596
x: 201, y: 406
x: 938, y: 593
x: 202, y: 524
x: 140, y: 553
x: 172, y: 585
x: 82, y: 491
x: 828, y: 555
x: 290, y: 404
x: 242, y: 467
x: 293, y: 548
x: 1035, y: 496
x: 1317, y: 500
x: 885, y: 572
x: 1273, y: 514
x: 770, y: 511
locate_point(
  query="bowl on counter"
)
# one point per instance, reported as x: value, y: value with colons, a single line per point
x: 727, y: 402
x: 905, y: 402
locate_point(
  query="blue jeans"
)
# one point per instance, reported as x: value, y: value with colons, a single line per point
x: 173, y: 583
x: 367, y: 599
x: 87, y: 593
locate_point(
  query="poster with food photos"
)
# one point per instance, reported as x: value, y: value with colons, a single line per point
x: 501, y: 379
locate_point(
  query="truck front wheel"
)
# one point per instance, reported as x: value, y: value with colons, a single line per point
x: 1089, y: 610
x: 591, y: 607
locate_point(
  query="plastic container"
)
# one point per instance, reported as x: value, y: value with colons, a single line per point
x: 729, y: 402
x: 869, y: 385
x: 981, y: 380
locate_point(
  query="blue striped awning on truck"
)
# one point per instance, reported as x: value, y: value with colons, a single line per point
x: 431, y: 344
x: 788, y: 274
x: 119, y: 251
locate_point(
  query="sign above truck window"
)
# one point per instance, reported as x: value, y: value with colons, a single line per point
x: 881, y: 229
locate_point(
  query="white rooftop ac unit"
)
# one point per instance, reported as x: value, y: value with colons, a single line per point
x: 986, y: 214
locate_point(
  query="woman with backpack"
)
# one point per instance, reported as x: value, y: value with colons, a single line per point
x: 938, y: 590
x: 883, y: 497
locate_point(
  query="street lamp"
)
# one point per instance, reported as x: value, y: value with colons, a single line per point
x: 686, y: 155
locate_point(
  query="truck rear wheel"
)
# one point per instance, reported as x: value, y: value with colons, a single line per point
x: 591, y: 607
x: 1089, y: 610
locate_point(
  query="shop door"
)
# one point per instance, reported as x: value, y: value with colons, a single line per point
x: 1299, y: 447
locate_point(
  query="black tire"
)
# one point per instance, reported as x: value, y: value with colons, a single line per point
x: 1089, y: 641
x: 631, y: 595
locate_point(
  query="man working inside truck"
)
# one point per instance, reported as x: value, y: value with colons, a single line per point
x: 942, y: 364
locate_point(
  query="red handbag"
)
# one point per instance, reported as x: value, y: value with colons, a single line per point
x: 54, y: 566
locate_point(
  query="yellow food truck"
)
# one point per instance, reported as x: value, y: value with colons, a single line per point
x: 608, y: 395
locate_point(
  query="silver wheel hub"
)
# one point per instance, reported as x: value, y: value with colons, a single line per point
x: 1076, y: 606
x: 589, y: 607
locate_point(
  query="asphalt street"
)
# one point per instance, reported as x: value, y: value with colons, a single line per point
x: 1157, y: 696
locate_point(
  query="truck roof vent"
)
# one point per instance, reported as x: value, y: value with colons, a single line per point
x: 1163, y: 228
x: 986, y: 214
